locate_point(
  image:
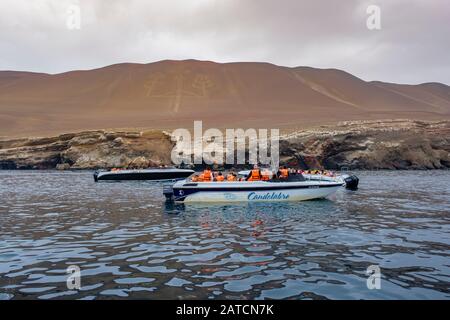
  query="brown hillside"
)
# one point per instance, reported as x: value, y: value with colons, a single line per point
x: 171, y: 94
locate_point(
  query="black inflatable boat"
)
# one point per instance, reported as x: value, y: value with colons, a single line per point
x: 143, y: 174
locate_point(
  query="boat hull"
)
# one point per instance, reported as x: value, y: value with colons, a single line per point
x: 151, y: 174
x: 257, y: 192
x: 350, y: 181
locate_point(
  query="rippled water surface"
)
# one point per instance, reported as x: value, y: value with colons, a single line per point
x: 129, y: 243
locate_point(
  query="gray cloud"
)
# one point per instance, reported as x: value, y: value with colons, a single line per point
x: 411, y: 47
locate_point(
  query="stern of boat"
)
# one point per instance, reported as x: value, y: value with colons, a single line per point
x: 168, y: 191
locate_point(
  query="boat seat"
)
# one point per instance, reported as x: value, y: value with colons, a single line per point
x: 291, y: 178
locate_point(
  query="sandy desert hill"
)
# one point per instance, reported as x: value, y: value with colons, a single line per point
x: 171, y: 94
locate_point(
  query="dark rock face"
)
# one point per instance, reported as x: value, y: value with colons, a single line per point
x: 394, y: 144
x: 371, y: 145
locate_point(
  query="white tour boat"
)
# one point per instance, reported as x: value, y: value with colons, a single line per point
x: 296, y: 189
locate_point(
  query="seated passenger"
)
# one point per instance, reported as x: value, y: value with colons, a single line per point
x: 194, y: 178
x: 207, y: 175
x: 283, y: 173
x: 231, y: 176
x: 255, y: 174
x: 220, y: 177
x: 266, y: 175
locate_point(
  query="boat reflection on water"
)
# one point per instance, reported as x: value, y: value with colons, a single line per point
x: 254, y: 220
x: 171, y: 207
x: 248, y: 210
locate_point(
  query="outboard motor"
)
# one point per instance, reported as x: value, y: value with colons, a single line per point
x: 168, y: 191
x: 96, y: 176
x: 351, y: 182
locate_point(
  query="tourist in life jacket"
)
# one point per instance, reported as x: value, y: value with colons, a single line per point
x: 266, y: 175
x: 255, y: 174
x: 194, y: 178
x: 200, y: 178
x: 220, y: 177
x: 207, y: 175
x: 283, y: 173
x: 231, y: 176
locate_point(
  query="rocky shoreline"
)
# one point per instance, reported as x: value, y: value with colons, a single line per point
x: 87, y: 150
x: 370, y: 145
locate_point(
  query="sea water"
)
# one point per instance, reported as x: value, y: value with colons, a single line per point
x: 128, y: 243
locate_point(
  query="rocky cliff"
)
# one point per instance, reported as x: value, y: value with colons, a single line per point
x: 395, y: 144
x: 87, y: 150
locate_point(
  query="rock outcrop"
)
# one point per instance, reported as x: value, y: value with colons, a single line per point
x: 394, y: 144
x: 87, y: 150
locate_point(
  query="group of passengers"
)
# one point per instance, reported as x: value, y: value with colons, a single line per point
x: 319, y: 172
x: 162, y: 166
x: 208, y: 176
x: 256, y: 174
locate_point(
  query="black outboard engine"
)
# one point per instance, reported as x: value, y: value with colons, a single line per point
x: 168, y: 191
x: 96, y: 176
x: 351, y: 182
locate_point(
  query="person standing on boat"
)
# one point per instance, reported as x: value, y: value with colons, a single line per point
x: 215, y: 166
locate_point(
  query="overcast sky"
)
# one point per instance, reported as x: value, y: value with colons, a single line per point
x: 412, y: 46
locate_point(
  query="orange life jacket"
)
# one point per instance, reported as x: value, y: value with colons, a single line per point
x: 201, y: 178
x: 284, y: 173
x: 265, y: 176
x: 220, y: 178
x: 207, y: 175
x: 231, y: 177
x: 255, y: 175
x: 194, y: 179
